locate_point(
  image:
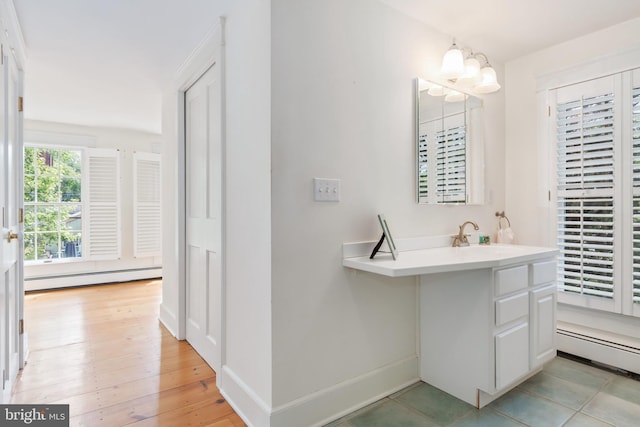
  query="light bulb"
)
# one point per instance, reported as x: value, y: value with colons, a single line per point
x: 471, y: 74
x: 452, y: 63
x: 489, y: 81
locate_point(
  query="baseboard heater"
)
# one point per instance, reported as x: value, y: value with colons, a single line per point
x: 622, y: 354
x: 90, y: 278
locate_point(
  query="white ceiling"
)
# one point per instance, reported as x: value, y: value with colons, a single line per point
x: 507, y: 29
x: 104, y: 62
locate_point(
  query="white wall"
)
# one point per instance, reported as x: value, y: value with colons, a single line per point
x: 247, y: 350
x: 128, y: 142
x: 343, y: 107
x: 319, y: 89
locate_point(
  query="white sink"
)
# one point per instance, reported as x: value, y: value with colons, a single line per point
x: 445, y: 259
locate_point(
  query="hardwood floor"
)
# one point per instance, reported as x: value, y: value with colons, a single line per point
x: 102, y: 350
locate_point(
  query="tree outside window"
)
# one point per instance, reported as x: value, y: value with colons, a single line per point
x: 52, y: 203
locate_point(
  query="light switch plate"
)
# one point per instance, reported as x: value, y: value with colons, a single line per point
x: 326, y: 190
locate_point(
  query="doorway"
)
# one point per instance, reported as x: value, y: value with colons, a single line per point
x: 202, y: 127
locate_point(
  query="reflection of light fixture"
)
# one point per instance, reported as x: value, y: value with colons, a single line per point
x: 465, y: 69
x: 437, y: 90
x: 455, y: 96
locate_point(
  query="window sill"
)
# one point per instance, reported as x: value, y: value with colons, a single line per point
x: 54, y: 262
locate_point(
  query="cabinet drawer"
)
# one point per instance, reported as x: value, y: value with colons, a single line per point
x: 511, y: 279
x: 543, y: 272
x: 511, y: 308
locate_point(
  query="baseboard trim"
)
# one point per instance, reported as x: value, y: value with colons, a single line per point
x: 91, y: 278
x: 168, y: 320
x: 244, y: 401
x: 322, y: 407
x: 328, y: 405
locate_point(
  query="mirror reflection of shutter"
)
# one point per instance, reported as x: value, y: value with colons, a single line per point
x: 102, y: 214
x: 146, y: 205
x: 451, y: 160
x: 585, y: 188
x: 423, y: 161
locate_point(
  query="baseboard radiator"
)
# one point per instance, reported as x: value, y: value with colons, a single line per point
x: 600, y: 349
x: 91, y: 278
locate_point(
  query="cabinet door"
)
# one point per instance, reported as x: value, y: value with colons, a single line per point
x: 512, y: 354
x: 543, y: 324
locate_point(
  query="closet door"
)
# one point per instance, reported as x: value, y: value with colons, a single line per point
x: 203, y: 141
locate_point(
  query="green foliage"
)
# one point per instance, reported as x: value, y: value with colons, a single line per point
x: 52, y: 194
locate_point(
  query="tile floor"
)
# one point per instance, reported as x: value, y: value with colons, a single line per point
x: 566, y: 393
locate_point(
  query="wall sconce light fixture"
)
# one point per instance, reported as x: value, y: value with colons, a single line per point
x: 468, y: 70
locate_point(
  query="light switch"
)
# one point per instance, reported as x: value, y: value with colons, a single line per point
x: 326, y: 190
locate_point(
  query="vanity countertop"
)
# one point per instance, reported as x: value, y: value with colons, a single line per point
x: 446, y: 259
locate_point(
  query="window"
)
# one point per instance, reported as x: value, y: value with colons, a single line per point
x: 597, y: 133
x: 71, y: 204
x: 52, y: 203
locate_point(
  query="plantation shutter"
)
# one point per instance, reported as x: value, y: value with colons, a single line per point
x: 147, y: 240
x: 451, y: 160
x: 102, y: 178
x: 585, y: 188
x: 423, y: 162
x: 636, y: 191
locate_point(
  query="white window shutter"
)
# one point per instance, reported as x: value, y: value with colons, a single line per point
x: 586, y: 144
x: 635, y: 123
x: 146, y: 205
x: 102, y: 189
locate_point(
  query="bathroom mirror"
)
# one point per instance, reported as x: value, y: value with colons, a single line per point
x: 449, y: 144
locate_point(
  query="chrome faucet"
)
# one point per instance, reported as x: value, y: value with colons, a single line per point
x: 461, y: 238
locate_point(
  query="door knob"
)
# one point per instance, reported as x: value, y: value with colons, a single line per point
x: 12, y: 236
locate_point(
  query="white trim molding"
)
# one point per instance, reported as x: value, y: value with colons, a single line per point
x: 93, y: 278
x: 245, y: 402
x: 13, y: 31
x: 324, y: 406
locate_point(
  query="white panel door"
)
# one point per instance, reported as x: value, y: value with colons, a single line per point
x: 11, y: 290
x: 203, y: 217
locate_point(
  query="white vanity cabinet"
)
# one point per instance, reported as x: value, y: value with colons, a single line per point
x: 487, y: 314
x: 484, y: 331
